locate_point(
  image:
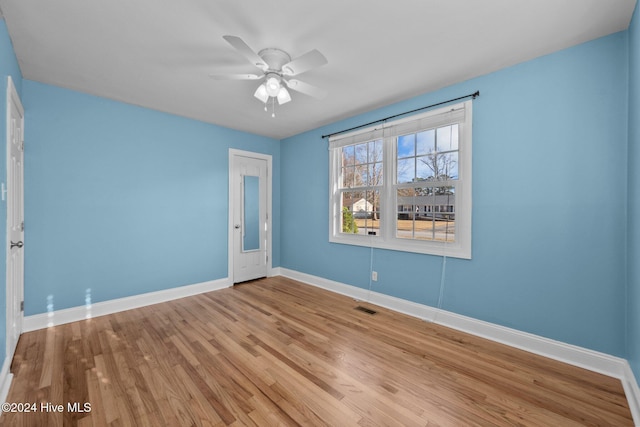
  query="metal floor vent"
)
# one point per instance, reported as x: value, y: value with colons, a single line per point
x: 366, y: 310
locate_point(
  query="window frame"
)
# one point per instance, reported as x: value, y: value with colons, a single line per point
x: 389, y: 133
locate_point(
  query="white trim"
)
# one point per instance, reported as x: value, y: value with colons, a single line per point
x: 605, y: 364
x: 5, y: 380
x: 230, y: 253
x: 274, y: 272
x: 386, y: 238
x: 632, y: 392
x: 74, y: 314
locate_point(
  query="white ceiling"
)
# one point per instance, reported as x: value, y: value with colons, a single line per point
x: 159, y: 53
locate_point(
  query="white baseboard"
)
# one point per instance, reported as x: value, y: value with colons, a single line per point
x: 274, y: 272
x: 5, y: 380
x: 578, y: 356
x: 74, y: 314
x: 632, y: 392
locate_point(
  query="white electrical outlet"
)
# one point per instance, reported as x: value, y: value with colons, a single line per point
x: 374, y: 276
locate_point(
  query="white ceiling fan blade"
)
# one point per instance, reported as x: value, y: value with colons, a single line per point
x: 306, y: 62
x: 306, y: 88
x: 236, y: 76
x: 246, y: 51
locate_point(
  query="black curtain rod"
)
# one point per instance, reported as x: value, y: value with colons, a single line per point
x: 471, y: 95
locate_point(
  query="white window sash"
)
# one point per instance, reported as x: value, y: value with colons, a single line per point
x: 412, y: 124
x: 388, y: 132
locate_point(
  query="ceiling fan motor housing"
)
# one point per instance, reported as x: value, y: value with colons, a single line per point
x: 275, y: 58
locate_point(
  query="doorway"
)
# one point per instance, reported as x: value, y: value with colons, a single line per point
x: 249, y: 215
x: 15, y: 217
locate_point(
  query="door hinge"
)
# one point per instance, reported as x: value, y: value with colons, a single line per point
x: 21, y: 305
x: 22, y: 226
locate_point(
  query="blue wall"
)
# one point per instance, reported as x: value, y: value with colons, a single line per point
x: 549, y: 202
x: 633, y: 297
x: 8, y: 67
x: 123, y: 200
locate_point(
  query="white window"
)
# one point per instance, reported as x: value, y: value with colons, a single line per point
x: 405, y: 185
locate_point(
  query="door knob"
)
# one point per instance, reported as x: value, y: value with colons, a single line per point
x: 19, y: 244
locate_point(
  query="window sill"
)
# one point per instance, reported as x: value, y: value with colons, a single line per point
x: 451, y: 250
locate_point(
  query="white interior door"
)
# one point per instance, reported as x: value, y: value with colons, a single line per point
x: 15, y: 216
x: 249, y: 214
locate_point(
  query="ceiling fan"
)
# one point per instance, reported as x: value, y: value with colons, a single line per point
x: 277, y: 68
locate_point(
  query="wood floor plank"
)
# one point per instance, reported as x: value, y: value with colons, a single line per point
x: 279, y: 352
x: 49, y: 347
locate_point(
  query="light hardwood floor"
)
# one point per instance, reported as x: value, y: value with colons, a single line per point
x: 278, y: 352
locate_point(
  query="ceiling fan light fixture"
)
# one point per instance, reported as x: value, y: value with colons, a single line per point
x: 283, y: 96
x: 261, y: 93
x: 273, y: 85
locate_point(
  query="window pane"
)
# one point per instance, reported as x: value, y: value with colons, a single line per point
x: 349, y: 198
x: 444, y: 230
x: 347, y: 177
x: 367, y: 214
x: 455, y: 137
x: 447, y: 138
x: 449, y: 165
x: 375, y: 174
x: 444, y: 215
x: 375, y: 151
x: 360, y: 178
x: 426, y: 213
x: 352, y: 201
x: 437, y: 166
x: 361, y: 212
x: 425, y: 167
x: 406, y: 170
x: 348, y: 156
x: 361, y: 153
x: 362, y: 165
x: 404, y: 226
x: 405, y: 220
x: 407, y: 145
x: 426, y: 142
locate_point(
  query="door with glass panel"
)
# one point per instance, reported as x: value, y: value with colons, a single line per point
x: 15, y: 217
x: 249, y: 214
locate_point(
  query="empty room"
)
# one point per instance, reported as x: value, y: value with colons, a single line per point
x: 255, y: 213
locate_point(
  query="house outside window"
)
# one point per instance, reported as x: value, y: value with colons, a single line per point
x: 405, y: 185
